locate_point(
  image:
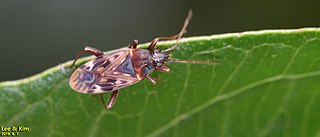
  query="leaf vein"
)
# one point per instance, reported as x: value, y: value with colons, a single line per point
x: 222, y: 97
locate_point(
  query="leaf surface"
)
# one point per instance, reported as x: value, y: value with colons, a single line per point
x: 267, y: 84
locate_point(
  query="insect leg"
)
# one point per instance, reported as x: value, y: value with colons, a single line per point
x: 133, y: 44
x: 177, y: 36
x: 163, y: 68
x: 153, y: 80
x: 88, y: 49
x: 102, y: 100
x: 153, y: 44
x: 112, y: 99
x: 156, y: 40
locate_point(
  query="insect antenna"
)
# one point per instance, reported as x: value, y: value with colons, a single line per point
x: 183, y: 30
x: 208, y: 62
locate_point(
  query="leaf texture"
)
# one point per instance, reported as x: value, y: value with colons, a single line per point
x: 267, y: 84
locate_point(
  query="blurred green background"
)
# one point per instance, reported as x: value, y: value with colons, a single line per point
x: 36, y: 35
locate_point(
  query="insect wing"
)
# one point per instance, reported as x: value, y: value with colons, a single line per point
x: 107, y: 73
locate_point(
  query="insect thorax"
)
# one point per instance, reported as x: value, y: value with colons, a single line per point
x: 142, y: 62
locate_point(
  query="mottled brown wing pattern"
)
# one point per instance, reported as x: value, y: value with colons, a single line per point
x: 81, y: 80
x: 106, y: 73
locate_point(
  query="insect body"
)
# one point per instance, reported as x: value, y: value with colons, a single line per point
x: 111, y: 72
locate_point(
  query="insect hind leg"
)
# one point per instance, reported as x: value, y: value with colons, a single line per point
x: 88, y: 49
x: 112, y: 99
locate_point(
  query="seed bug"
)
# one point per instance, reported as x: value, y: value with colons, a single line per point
x: 114, y: 71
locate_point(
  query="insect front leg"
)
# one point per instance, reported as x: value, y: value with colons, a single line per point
x: 88, y: 49
x: 156, y: 40
x: 163, y: 68
x: 177, y: 36
x: 133, y: 44
x: 112, y: 99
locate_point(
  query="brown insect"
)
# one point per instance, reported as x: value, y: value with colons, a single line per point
x: 114, y: 71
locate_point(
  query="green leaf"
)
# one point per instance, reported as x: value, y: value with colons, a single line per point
x: 267, y: 84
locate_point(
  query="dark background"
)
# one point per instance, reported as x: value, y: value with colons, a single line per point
x: 38, y: 34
